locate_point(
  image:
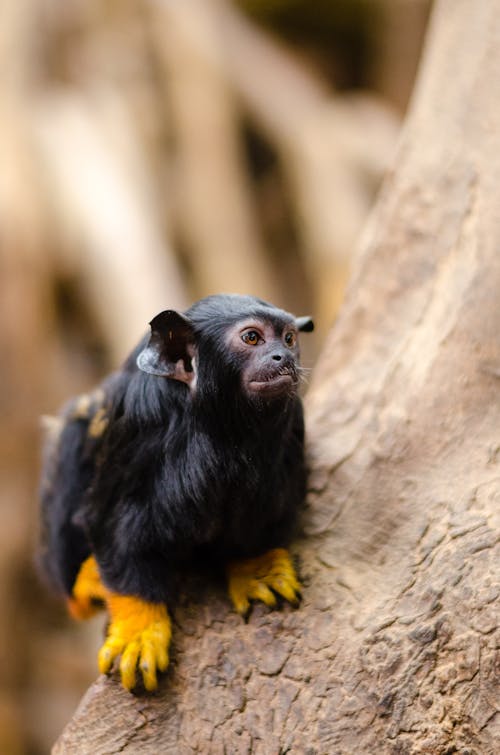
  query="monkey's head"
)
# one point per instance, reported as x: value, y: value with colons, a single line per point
x: 230, y: 344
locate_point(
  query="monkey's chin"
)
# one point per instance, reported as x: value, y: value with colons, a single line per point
x: 280, y: 385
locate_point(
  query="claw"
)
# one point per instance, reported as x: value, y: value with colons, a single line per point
x: 128, y: 663
x: 263, y: 593
x: 140, y: 632
x: 259, y: 578
x: 109, y: 651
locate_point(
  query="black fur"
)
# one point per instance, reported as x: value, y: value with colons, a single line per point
x: 182, y: 475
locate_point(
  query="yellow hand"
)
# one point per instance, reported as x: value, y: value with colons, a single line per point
x: 140, y: 632
x: 88, y: 592
x: 256, y: 578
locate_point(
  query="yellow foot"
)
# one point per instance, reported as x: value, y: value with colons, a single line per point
x: 257, y: 578
x: 88, y: 592
x: 140, y: 632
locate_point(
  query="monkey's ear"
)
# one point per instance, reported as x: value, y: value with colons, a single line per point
x: 170, y: 347
x: 305, y: 324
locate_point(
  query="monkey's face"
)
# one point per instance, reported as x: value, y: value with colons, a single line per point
x: 268, y: 354
x: 227, y: 339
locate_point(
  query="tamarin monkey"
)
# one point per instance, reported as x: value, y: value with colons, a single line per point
x: 189, y: 455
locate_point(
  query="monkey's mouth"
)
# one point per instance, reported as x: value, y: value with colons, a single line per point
x: 273, y: 385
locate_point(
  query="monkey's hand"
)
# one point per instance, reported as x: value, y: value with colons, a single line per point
x: 88, y: 592
x: 140, y: 632
x: 257, y: 578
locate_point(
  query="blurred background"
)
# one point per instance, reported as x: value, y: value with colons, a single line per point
x: 153, y: 152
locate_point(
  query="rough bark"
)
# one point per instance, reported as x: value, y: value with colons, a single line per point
x: 393, y: 648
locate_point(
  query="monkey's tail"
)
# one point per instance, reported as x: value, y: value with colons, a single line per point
x: 66, y: 474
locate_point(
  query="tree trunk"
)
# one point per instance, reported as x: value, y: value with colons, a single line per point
x: 392, y: 649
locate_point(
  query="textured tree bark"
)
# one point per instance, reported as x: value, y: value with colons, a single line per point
x: 393, y: 648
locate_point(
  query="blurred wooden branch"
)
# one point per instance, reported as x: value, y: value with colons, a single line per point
x: 113, y: 240
x: 217, y: 217
x: 334, y: 150
x: 28, y: 348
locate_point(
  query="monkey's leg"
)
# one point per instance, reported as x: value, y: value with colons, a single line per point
x: 257, y: 578
x: 140, y: 632
x: 88, y: 593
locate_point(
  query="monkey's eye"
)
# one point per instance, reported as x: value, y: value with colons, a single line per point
x: 290, y: 339
x: 251, y: 337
